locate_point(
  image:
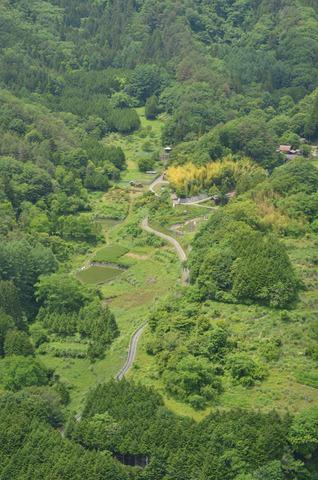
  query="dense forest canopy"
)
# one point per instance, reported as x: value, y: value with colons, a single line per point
x: 228, y: 84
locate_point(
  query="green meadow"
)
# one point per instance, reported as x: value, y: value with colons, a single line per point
x: 111, y: 253
x: 97, y: 275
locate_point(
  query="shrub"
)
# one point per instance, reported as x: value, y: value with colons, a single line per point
x: 145, y: 164
x: 61, y: 351
x: 38, y: 334
x: 304, y: 432
x: 271, y: 349
x: 245, y: 370
x: 193, y: 380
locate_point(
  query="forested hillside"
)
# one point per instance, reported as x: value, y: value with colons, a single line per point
x: 93, y: 212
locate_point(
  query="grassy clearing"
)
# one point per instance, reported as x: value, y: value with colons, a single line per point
x: 112, y: 206
x: 96, y: 275
x: 81, y: 374
x: 142, y: 144
x: 111, y: 253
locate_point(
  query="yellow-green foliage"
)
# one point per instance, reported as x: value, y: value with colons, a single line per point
x: 190, y: 178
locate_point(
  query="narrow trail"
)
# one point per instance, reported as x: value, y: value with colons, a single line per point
x: 180, y: 252
x: 156, y: 182
x: 133, y: 345
x: 131, y: 352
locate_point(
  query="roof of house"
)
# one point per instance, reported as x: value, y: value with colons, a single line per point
x: 285, y: 148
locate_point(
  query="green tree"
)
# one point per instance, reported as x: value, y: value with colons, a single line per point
x: 22, y: 263
x: 61, y: 293
x: 145, y: 81
x: 303, y: 434
x: 79, y: 228
x: 10, y: 301
x: 311, y: 126
x: 193, y: 380
x: 96, y: 433
x: 125, y: 120
x: 99, y: 324
x: 263, y: 272
x: 145, y: 164
x: 270, y: 471
x: 95, y: 178
x: 152, y: 108
x: 7, y: 218
x: 245, y: 370
x: 17, y: 372
x: 6, y: 324
x: 17, y: 343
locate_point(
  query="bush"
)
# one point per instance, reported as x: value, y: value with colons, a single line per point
x: 192, y: 380
x: 271, y: 349
x: 96, y: 350
x: 38, y: 334
x: 61, y: 351
x: 145, y: 164
x: 245, y: 370
x: 304, y: 432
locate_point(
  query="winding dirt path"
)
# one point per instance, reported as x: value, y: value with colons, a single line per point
x: 156, y: 182
x: 133, y: 345
x: 180, y: 252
